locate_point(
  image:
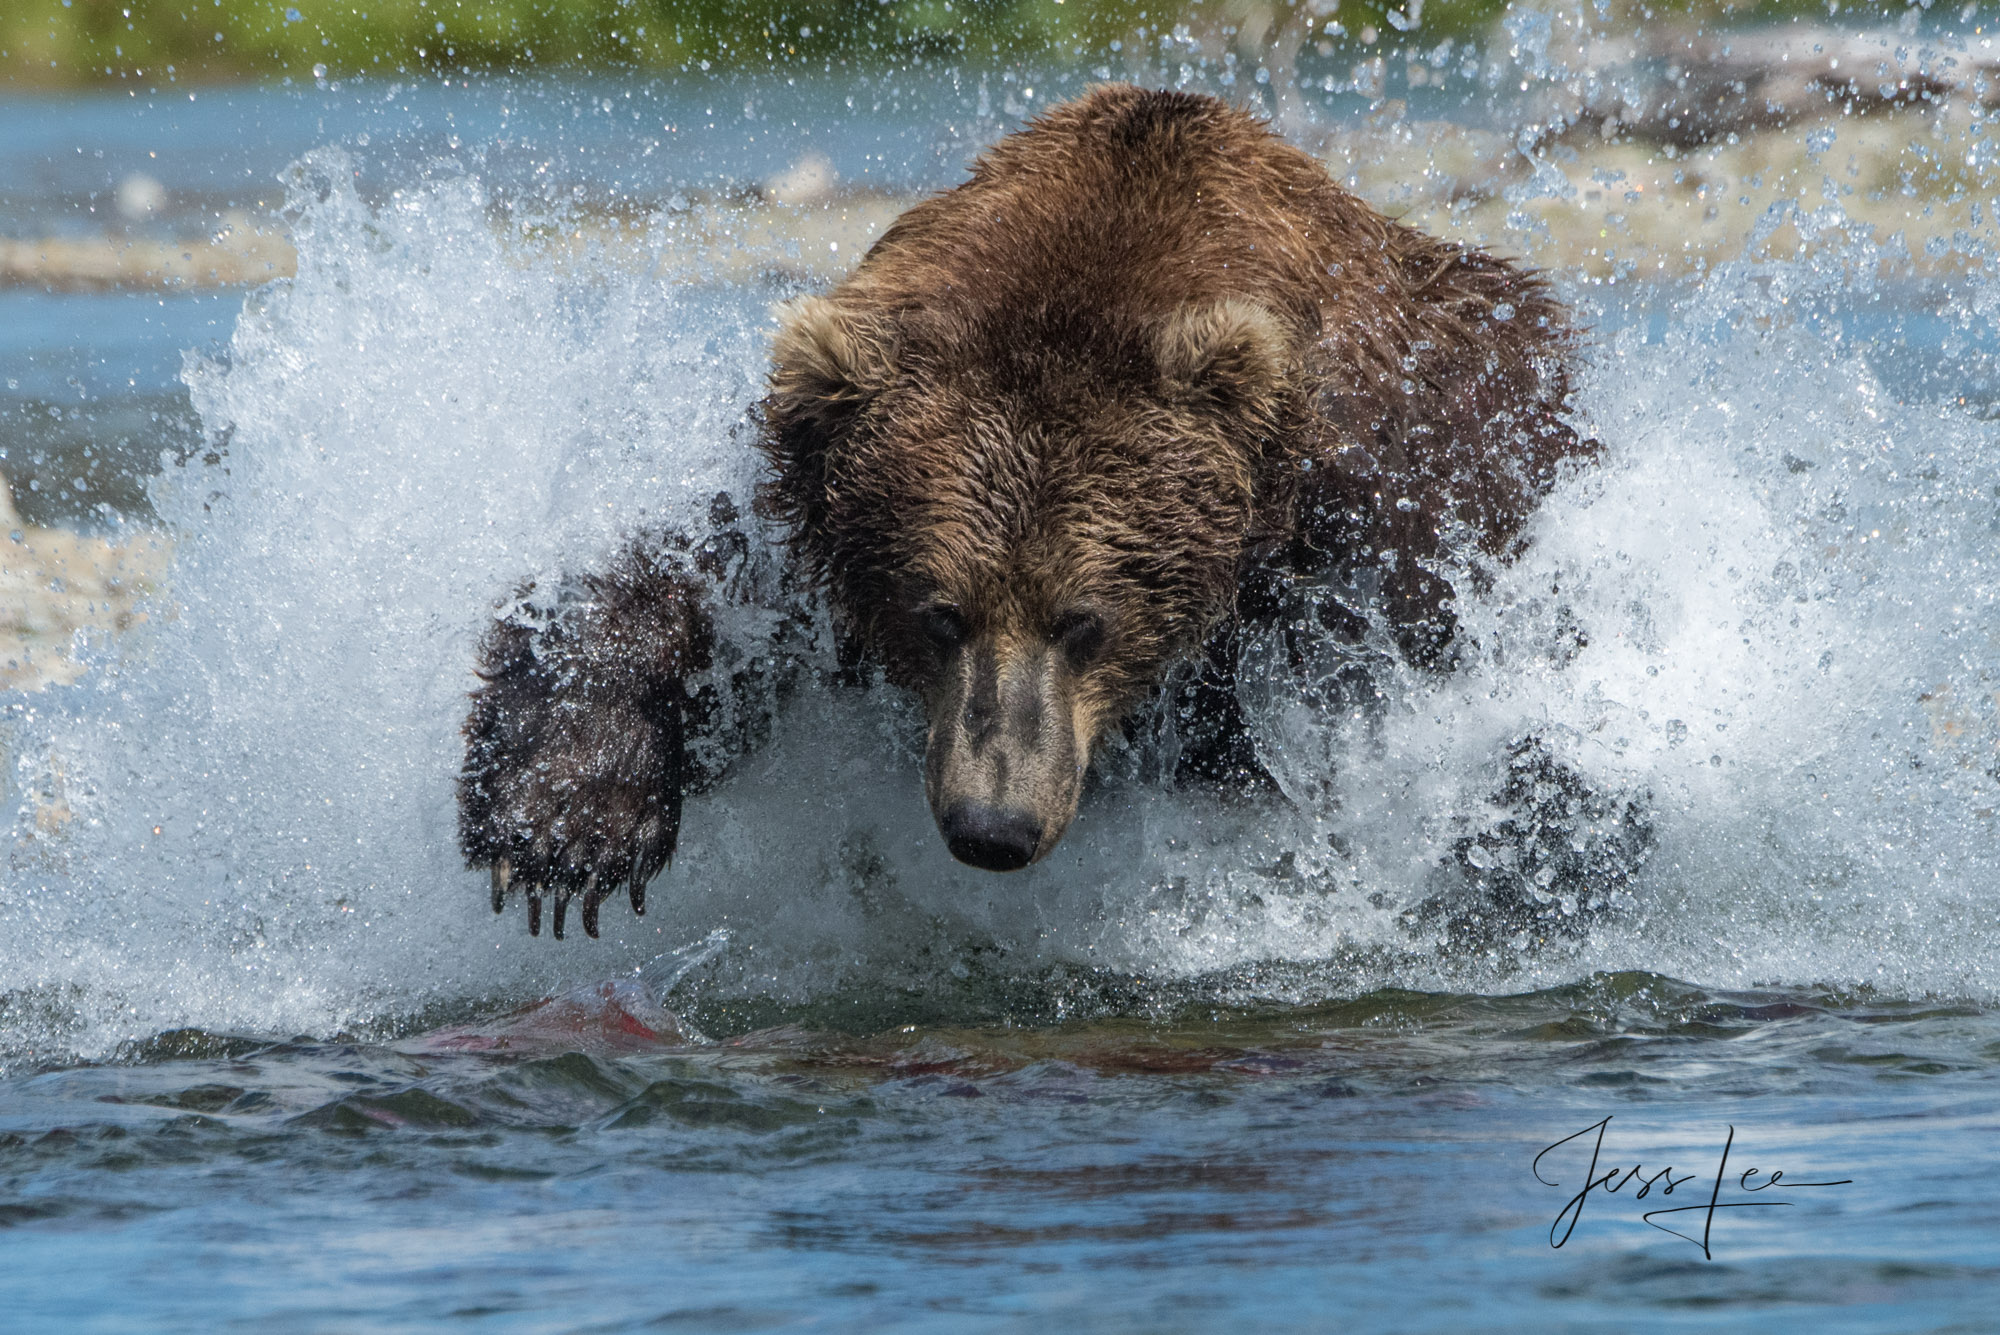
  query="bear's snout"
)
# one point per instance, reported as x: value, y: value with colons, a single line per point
x: 1005, y: 764
x: 991, y: 838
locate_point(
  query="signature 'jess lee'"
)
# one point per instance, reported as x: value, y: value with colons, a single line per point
x: 1617, y: 1179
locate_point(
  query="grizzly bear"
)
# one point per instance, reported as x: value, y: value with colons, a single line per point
x: 1067, y: 427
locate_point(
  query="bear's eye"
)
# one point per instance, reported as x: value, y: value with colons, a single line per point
x: 1081, y: 635
x: 943, y: 626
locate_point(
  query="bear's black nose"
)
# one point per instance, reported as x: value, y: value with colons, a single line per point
x: 988, y: 837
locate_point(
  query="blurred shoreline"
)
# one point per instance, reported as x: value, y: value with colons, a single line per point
x: 67, y: 44
x: 58, y: 589
x: 1654, y: 156
x: 1915, y: 182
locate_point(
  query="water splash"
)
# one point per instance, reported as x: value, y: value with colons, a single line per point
x: 1768, y: 617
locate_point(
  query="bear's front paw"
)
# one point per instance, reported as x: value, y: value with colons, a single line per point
x: 572, y: 783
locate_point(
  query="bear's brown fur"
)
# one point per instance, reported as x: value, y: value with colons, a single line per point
x: 1069, y: 421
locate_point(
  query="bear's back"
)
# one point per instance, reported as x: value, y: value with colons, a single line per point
x: 1127, y: 204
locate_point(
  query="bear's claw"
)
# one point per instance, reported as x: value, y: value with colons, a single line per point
x: 576, y: 758
x: 591, y: 895
x: 552, y: 873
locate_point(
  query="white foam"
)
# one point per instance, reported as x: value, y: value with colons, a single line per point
x: 1780, y: 575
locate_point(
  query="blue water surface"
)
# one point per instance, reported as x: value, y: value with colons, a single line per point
x: 1370, y: 1165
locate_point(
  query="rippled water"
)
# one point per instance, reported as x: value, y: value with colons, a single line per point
x: 1365, y: 1163
x: 1212, y: 1066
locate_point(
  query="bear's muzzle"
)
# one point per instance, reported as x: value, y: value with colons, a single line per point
x: 1005, y: 764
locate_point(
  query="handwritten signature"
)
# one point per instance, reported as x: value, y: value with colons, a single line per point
x: 1616, y: 1180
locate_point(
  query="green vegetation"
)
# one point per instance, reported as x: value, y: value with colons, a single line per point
x: 53, y: 43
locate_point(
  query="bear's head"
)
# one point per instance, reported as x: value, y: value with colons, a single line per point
x: 1029, y: 528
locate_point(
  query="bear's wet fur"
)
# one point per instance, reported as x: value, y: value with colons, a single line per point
x: 1165, y: 257
x: 1066, y: 428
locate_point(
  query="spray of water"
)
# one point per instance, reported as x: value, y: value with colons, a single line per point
x: 1767, y: 621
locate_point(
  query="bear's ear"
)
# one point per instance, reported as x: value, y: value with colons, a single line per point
x: 828, y: 359
x: 1232, y: 351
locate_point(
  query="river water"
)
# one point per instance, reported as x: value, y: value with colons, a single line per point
x: 268, y: 1060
